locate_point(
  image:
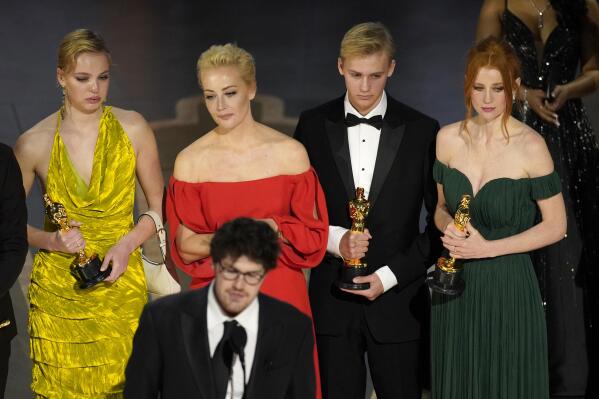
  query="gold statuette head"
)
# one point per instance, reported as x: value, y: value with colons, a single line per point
x: 56, y: 213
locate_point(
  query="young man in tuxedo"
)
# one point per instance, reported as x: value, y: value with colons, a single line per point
x: 13, y: 249
x: 225, y: 340
x: 367, y: 139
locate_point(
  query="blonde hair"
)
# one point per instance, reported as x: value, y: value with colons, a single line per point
x: 228, y: 55
x: 365, y: 39
x: 80, y: 41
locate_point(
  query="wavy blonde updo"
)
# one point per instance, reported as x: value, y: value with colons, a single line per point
x: 365, y: 39
x: 228, y: 55
x: 80, y: 41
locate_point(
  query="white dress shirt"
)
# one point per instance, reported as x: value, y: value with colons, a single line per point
x: 215, y: 318
x: 363, y: 142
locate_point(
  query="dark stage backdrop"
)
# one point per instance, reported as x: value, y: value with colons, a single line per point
x: 155, y: 45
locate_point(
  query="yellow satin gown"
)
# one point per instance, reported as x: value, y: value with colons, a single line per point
x: 80, y: 340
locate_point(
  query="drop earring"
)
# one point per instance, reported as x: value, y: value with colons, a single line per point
x: 63, y: 106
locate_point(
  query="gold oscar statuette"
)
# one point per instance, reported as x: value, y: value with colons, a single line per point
x: 85, y: 269
x: 446, y: 278
x: 358, y: 211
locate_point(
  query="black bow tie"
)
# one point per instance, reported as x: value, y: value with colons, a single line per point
x: 353, y: 120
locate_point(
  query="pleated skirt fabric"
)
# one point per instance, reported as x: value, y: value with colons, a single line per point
x: 490, y: 342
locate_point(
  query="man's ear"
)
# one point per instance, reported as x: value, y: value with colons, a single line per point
x: 391, y: 68
x: 340, y: 66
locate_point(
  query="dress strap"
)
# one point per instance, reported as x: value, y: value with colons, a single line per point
x: 59, y: 116
x: 505, y: 8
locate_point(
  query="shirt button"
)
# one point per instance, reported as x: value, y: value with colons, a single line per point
x: 362, y: 168
x: 363, y: 141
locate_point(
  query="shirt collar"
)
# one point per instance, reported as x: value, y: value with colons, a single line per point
x: 247, y: 318
x: 380, y: 108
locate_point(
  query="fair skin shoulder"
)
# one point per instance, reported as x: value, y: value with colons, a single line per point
x: 86, y: 85
x: 268, y: 153
x: 238, y: 149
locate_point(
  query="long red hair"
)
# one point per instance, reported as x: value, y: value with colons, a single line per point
x: 497, y: 54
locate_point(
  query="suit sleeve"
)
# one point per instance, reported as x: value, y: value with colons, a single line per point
x: 13, y: 220
x: 143, y: 374
x: 408, y: 266
x: 303, y: 380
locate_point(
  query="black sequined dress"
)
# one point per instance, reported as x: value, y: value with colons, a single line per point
x: 568, y: 271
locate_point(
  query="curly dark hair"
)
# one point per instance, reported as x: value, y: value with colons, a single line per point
x: 246, y: 237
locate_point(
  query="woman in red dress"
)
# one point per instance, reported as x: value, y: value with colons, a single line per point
x: 244, y: 168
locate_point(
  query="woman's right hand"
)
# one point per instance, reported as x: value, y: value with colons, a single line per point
x: 70, y: 241
x: 538, y: 103
x: 452, y: 231
x: 452, y: 236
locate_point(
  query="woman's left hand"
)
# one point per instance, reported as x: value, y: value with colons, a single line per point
x: 474, y: 246
x: 559, y: 96
x: 118, y: 258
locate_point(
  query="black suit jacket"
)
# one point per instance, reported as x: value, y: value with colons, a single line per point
x: 171, y: 354
x: 13, y: 236
x: 402, y: 180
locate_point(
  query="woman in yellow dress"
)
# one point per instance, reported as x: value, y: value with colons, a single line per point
x: 87, y: 157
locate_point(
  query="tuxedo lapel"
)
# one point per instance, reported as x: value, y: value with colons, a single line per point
x: 195, y: 339
x: 337, y: 134
x: 269, y: 336
x: 391, y: 136
x: 388, y: 146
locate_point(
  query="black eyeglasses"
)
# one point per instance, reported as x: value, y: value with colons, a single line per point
x: 230, y: 273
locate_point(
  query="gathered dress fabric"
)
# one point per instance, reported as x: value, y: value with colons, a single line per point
x: 81, y: 339
x: 567, y: 270
x: 295, y: 202
x: 490, y: 341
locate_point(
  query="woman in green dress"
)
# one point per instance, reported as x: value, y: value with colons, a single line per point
x: 490, y: 341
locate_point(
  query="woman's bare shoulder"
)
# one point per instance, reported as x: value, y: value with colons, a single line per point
x: 132, y: 122
x: 39, y: 137
x: 290, y: 153
x: 534, y: 154
x: 449, y: 140
x: 189, y: 159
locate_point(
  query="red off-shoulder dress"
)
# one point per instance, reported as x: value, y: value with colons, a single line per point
x: 290, y: 200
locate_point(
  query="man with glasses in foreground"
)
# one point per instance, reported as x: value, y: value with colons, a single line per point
x: 227, y: 339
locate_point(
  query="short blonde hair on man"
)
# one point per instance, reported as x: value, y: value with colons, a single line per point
x: 365, y: 39
x: 228, y: 55
x: 80, y: 41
